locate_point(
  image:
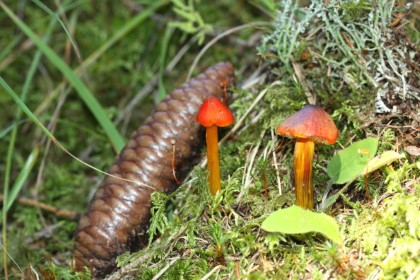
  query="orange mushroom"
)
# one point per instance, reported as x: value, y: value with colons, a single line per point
x: 310, y: 125
x: 214, y: 113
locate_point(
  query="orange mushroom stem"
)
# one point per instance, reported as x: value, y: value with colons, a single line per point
x: 214, y: 113
x: 303, y: 157
x: 310, y: 125
x: 213, y: 159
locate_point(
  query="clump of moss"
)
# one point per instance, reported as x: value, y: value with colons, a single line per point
x: 387, y: 234
x: 356, y: 10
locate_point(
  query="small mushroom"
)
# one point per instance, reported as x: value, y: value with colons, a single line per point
x: 310, y: 125
x: 214, y: 113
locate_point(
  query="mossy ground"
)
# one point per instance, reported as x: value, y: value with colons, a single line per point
x: 195, y: 235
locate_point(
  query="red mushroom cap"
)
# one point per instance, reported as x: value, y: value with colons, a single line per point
x: 214, y: 112
x: 311, y: 122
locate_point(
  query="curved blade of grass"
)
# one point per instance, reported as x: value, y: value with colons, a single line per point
x: 27, y: 111
x: 90, y: 101
x: 55, y: 15
x: 10, y: 128
x: 5, y: 195
x: 21, y: 179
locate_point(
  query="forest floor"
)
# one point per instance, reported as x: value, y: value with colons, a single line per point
x: 96, y: 72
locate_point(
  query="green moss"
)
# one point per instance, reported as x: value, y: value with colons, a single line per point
x: 388, y: 234
x: 392, y: 241
x: 356, y: 10
x: 404, y: 178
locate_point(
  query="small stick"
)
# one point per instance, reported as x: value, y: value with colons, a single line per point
x: 297, y: 68
x: 238, y: 274
x: 347, y: 40
x: 163, y: 270
x: 71, y: 215
x: 396, y: 21
x: 214, y: 270
x: 275, y: 161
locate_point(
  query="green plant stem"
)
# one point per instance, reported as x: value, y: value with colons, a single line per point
x: 54, y: 15
x: 5, y: 195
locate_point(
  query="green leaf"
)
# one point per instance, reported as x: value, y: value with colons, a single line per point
x: 350, y: 162
x: 294, y: 220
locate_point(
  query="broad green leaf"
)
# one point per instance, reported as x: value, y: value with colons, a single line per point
x: 377, y: 162
x: 350, y: 162
x: 294, y: 220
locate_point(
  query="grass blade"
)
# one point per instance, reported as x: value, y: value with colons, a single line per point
x: 161, y: 93
x: 51, y: 13
x: 25, y: 109
x: 21, y: 179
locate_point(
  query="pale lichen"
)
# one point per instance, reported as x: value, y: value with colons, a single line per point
x: 355, y: 45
